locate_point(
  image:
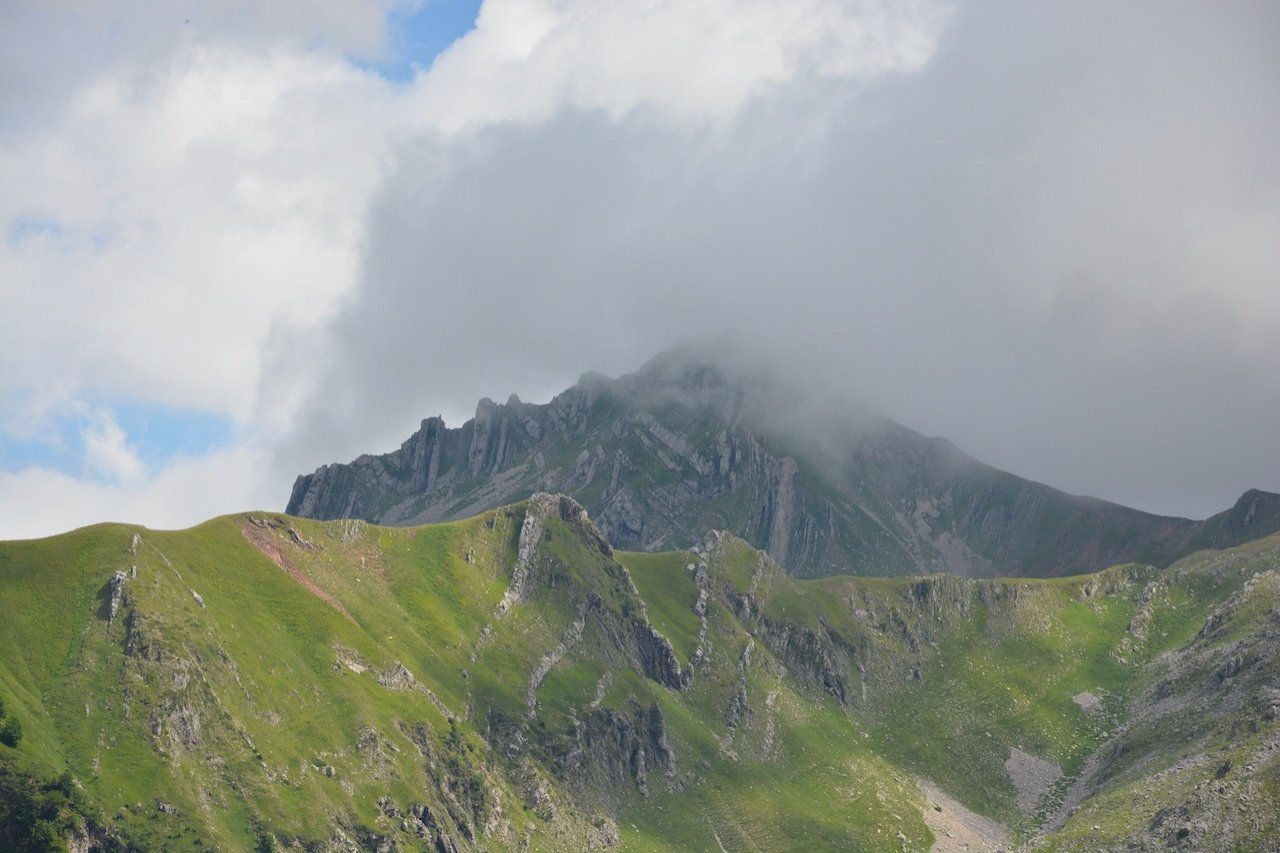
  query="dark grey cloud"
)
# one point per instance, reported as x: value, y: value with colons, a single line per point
x: 1054, y: 245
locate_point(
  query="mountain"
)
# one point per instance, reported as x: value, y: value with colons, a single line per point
x: 512, y: 682
x: 680, y: 447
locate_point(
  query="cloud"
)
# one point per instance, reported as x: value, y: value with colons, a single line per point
x: 1043, y: 230
x: 179, y: 217
x: 1049, y: 242
x: 50, y: 48
x: 107, y: 451
x: 41, y: 502
x: 202, y: 194
x: 528, y: 59
x: 181, y: 184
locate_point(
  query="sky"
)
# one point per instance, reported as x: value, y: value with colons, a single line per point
x: 239, y: 241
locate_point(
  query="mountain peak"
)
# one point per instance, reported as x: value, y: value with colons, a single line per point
x: 693, y: 442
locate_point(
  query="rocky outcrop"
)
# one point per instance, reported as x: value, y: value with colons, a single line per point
x: 535, y: 519
x: 614, y: 751
x: 1254, y: 515
x: 115, y: 594
x: 538, y: 510
x: 821, y: 662
x: 553, y: 657
x: 738, y: 707
x: 657, y: 658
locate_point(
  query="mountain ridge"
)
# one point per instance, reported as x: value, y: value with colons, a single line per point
x: 680, y: 446
x: 512, y: 682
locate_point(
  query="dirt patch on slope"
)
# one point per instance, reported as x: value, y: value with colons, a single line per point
x: 955, y: 828
x: 265, y: 542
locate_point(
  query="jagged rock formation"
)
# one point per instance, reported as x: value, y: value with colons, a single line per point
x: 663, y: 455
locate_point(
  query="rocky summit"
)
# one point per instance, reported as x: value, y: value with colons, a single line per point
x: 680, y: 447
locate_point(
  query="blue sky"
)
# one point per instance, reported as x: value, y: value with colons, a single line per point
x: 417, y: 35
x: 156, y: 435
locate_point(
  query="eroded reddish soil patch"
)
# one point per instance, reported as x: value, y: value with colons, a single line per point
x: 266, y: 542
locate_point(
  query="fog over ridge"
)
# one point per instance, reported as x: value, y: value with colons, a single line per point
x: 1046, y: 245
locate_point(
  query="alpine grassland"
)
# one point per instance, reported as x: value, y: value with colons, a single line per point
x: 510, y: 681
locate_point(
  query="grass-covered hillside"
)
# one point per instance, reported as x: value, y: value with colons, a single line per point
x: 511, y: 682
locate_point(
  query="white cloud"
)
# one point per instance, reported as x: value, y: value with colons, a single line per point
x: 526, y: 59
x: 201, y: 194
x: 107, y: 451
x: 50, y: 48
x: 180, y: 214
x: 40, y: 502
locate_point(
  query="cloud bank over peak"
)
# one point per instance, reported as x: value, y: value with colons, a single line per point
x: 1045, y: 231
x: 1048, y: 242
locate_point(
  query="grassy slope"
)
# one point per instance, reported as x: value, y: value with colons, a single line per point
x: 232, y: 706
x: 255, y: 713
x: 1200, y: 755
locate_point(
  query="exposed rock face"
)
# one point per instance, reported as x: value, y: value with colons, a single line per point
x: 535, y: 519
x: 115, y: 593
x: 657, y: 658
x: 663, y: 455
x: 614, y: 751
x: 631, y: 635
x: 1255, y: 514
x: 818, y: 661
